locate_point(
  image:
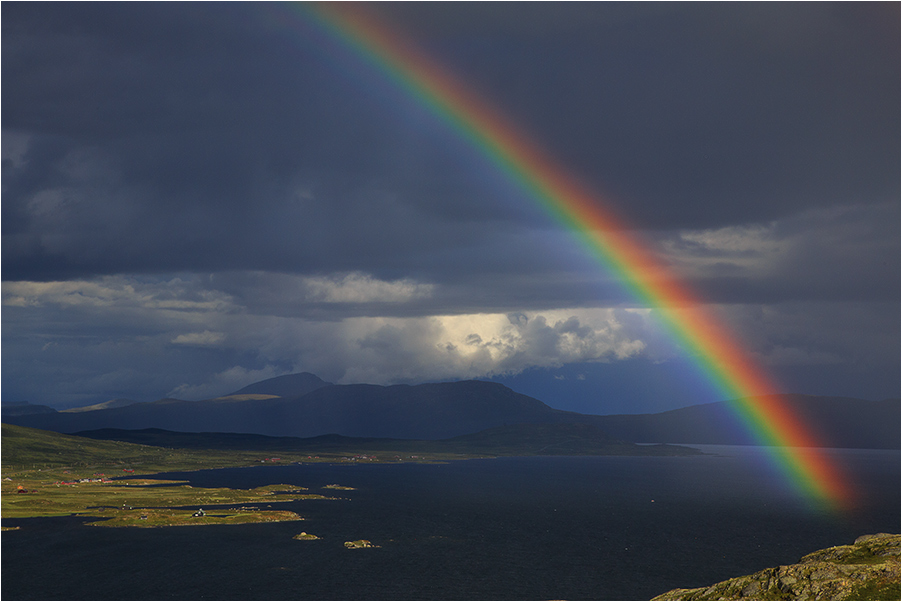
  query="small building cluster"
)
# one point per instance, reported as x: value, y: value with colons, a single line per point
x: 79, y: 481
x: 360, y: 457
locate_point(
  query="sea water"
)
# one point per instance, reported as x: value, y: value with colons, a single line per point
x: 625, y: 528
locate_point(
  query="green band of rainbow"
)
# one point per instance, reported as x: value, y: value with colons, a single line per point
x: 605, y: 237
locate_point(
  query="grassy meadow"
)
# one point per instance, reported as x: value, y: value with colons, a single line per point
x: 50, y: 474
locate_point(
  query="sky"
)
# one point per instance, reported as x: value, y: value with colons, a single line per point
x: 198, y: 196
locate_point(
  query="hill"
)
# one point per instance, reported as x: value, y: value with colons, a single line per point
x: 302, y: 405
x: 834, y: 421
x: 290, y: 385
x: 513, y: 440
x: 865, y: 570
x: 23, y: 408
x: 23, y: 446
x: 113, y: 403
x: 563, y: 439
x: 153, y: 450
x: 429, y: 411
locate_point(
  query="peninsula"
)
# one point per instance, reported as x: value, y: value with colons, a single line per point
x: 106, y: 477
x: 49, y: 474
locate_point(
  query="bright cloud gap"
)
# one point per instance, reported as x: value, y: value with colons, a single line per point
x: 168, y: 318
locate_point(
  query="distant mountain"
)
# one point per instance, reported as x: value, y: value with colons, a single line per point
x: 518, y: 439
x: 113, y: 403
x: 302, y: 405
x: 290, y: 385
x: 429, y: 411
x: 833, y: 421
x: 560, y: 439
x: 23, y: 408
x: 230, y: 441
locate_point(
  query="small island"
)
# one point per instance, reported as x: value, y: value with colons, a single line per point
x: 304, y: 536
x: 359, y: 544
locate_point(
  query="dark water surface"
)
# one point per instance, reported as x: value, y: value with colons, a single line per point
x: 510, y: 528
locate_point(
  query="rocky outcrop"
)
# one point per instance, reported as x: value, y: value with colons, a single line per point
x: 359, y: 543
x: 304, y: 536
x: 866, y: 570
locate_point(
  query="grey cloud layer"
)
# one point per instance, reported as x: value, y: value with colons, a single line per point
x: 200, y: 341
x: 87, y: 340
x: 165, y: 138
x: 196, y: 196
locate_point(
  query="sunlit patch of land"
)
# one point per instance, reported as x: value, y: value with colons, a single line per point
x: 359, y: 544
x: 304, y: 536
x: 868, y: 569
x: 175, y: 518
x: 51, y: 474
x: 141, y: 502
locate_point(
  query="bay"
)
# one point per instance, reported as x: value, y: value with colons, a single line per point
x: 596, y: 528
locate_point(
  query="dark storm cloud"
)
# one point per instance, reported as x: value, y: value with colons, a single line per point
x: 181, y: 137
x: 697, y: 115
x: 207, y: 191
x: 163, y: 144
x: 840, y: 253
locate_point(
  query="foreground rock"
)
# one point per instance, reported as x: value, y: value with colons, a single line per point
x: 867, y: 570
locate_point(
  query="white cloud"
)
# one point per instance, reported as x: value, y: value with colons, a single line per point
x: 14, y: 146
x: 115, y: 292
x: 127, y: 321
x: 357, y: 287
x: 185, y: 334
x: 387, y: 350
x: 199, y: 338
x: 223, y: 383
x: 736, y: 250
x: 831, y: 248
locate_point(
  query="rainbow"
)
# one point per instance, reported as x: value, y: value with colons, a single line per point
x: 794, y: 450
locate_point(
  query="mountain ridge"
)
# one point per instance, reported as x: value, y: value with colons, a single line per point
x: 517, y: 439
x: 113, y: 403
x: 288, y: 385
x: 303, y: 405
x: 833, y: 421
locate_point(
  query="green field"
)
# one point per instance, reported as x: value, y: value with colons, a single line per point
x: 49, y: 474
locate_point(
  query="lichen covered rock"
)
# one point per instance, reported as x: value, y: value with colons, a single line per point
x: 869, y: 569
x: 304, y: 536
x: 360, y: 543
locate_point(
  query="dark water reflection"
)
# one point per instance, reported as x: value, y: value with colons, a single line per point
x: 511, y: 528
